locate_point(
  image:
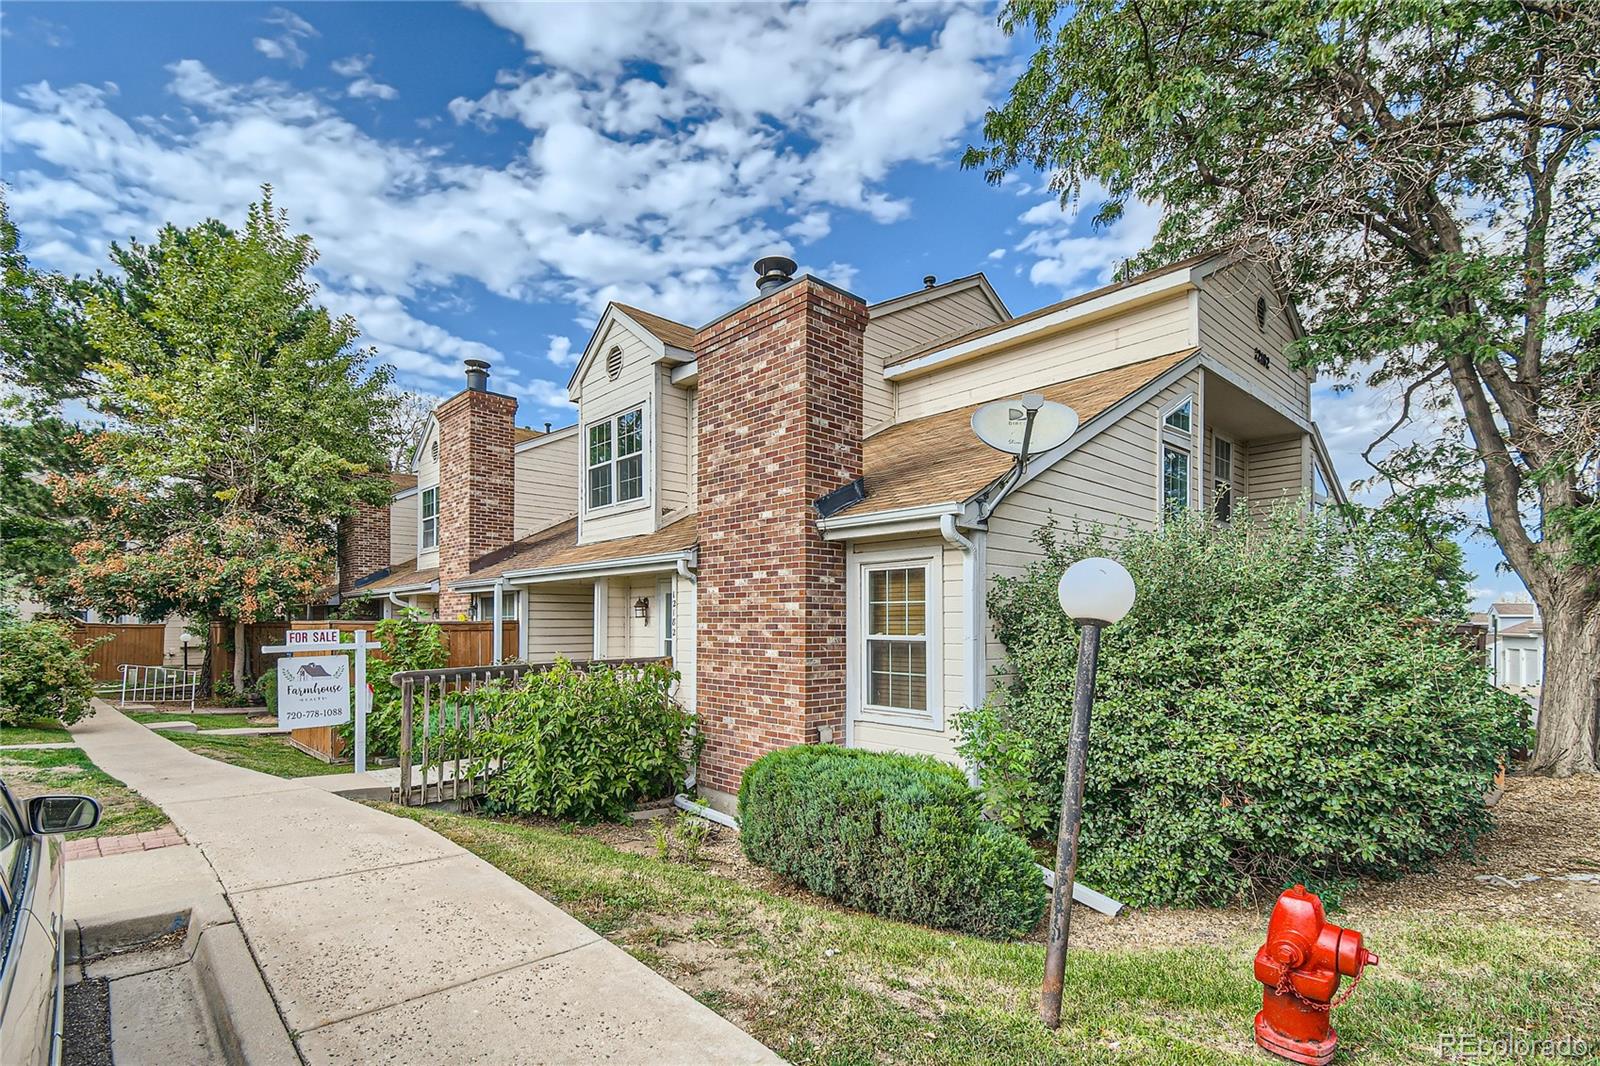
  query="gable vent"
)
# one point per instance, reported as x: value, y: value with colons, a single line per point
x: 435, y: 451
x: 614, y: 364
x: 1261, y: 313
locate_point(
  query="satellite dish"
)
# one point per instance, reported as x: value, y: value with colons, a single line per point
x: 1002, y: 424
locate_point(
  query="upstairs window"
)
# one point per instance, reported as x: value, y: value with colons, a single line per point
x: 1181, y: 417
x: 428, y: 536
x: 1174, y: 480
x: 616, y: 459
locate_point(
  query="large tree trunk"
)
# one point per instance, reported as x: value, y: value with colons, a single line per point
x: 238, y: 658
x: 1569, y: 702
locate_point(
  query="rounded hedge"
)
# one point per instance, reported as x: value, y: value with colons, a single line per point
x: 897, y: 835
x: 1287, y: 700
x: 43, y: 673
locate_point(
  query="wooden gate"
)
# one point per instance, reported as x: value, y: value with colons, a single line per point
x: 113, y: 644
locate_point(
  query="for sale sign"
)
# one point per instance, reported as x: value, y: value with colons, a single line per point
x: 313, y: 691
x: 311, y: 636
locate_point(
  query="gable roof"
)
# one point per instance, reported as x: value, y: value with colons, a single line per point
x: 557, y: 546
x: 1512, y: 607
x: 1050, y: 309
x: 664, y: 330
x: 400, y: 480
x: 1531, y: 628
x: 938, y: 459
x: 979, y: 281
x: 400, y: 576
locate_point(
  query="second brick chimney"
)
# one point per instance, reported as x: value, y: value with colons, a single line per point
x: 780, y: 425
x: 476, y: 481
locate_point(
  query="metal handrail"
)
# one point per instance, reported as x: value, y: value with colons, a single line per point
x: 157, y: 684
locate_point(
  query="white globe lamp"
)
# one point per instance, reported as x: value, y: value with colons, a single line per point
x: 1094, y: 593
x: 1096, y: 590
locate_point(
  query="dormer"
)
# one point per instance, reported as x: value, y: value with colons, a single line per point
x: 635, y: 442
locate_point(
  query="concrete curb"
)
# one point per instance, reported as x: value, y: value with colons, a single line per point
x: 121, y: 931
x: 236, y: 999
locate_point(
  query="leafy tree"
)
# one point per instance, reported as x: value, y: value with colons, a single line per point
x: 44, y: 361
x: 1424, y: 173
x: 245, y: 423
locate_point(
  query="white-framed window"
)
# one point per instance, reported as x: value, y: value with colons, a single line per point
x: 1174, y: 451
x: 1221, y: 477
x: 615, y: 461
x: 665, y: 604
x: 895, y: 635
x: 428, y: 531
x: 483, y: 606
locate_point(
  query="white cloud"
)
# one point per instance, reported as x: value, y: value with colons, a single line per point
x: 285, y: 44
x: 657, y: 191
x: 997, y: 255
x: 560, y: 351
x: 1068, y: 260
x: 363, y: 85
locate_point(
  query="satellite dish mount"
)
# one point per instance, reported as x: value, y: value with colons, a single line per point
x: 1024, y: 426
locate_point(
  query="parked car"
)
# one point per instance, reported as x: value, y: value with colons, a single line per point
x: 32, y: 929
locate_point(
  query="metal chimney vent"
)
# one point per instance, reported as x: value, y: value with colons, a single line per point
x: 773, y: 272
x: 929, y: 281
x: 477, y: 375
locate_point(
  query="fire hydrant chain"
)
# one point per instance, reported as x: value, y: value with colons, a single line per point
x: 1287, y: 985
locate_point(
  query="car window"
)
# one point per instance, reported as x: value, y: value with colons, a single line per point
x: 11, y: 845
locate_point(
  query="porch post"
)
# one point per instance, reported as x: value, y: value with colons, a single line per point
x: 602, y: 613
x: 497, y: 626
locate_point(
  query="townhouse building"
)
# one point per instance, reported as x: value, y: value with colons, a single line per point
x: 789, y: 501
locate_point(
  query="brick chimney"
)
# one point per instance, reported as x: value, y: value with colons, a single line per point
x: 780, y: 425
x: 476, y: 481
x: 363, y: 544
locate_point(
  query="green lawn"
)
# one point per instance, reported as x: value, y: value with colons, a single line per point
x: 822, y: 985
x: 203, y: 721
x: 35, y: 731
x: 269, y: 754
x: 36, y: 773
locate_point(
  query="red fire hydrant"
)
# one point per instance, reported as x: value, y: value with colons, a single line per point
x: 1300, y: 964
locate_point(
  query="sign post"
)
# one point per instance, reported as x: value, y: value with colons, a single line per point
x: 315, y: 691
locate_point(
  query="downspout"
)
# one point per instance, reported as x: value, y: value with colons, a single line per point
x: 972, y: 649
x: 497, y: 624
x: 685, y: 573
x: 395, y: 599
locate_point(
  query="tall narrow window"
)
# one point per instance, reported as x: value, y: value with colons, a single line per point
x: 616, y: 459
x: 666, y: 601
x: 1174, y: 480
x: 429, y: 533
x: 897, y: 638
x: 1222, y: 479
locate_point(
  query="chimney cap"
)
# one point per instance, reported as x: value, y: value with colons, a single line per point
x: 477, y: 375
x: 929, y: 281
x: 773, y: 272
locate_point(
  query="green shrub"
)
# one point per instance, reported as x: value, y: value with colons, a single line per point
x: 43, y: 674
x: 1277, y: 705
x: 585, y: 745
x: 267, y: 686
x: 410, y: 641
x: 898, y: 835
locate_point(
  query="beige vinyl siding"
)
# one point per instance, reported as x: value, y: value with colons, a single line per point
x: 1229, y: 334
x: 544, y: 478
x: 403, y: 529
x: 1140, y: 333
x: 1110, y: 481
x: 673, y: 453
x: 888, y: 334
x: 599, y: 398
x: 427, y: 477
x: 560, y: 621
x: 876, y: 736
x: 694, y: 448
x: 1279, y: 469
x: 685, y: 654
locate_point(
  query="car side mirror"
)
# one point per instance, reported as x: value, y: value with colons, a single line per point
x: 62, y: 814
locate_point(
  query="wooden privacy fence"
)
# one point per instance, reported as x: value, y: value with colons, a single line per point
x: 441, y: 712
x: 467, y: 644
x: 134, y: 643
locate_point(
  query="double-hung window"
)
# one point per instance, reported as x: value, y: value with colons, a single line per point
x: 897, y: 638
x: 428, y: 534
x: 483, y: 606
x: 616, y: 459
x: 1177, y: 433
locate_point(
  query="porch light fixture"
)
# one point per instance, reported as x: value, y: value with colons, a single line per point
x: 1094, y: 593
x: 641, y: 608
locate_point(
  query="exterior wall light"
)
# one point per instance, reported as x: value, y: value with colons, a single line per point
x: 641, y: 608
x: 1094, y: 593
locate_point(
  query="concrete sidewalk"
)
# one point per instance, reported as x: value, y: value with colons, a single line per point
x: 381, y: 941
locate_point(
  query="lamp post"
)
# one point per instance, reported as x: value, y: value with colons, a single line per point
x: 1095, y: 593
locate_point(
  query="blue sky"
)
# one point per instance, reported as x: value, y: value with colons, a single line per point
x: 480, y: 179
